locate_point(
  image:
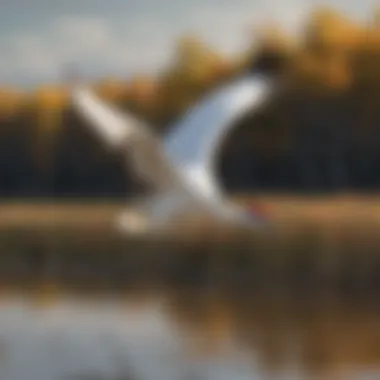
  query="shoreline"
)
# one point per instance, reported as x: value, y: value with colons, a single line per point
x: 276, y: 207
x: 316, y: 243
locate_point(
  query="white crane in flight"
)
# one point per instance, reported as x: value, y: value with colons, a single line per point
x: 181, y: 167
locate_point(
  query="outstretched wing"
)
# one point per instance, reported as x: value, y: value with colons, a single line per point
x: 112, y: 126
x: 122, y: 131
x: 195, y: 141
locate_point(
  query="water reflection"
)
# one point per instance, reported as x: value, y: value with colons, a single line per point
x: 182, y: 334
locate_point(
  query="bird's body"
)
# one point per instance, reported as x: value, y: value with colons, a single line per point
x: 181, y: 168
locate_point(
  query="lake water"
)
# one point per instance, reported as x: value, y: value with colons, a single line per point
x: 188, y: 311
x: 188, y: 335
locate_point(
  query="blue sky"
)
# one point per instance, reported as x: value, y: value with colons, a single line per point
x: 122, y: 37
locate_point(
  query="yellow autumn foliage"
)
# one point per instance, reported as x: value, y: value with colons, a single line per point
x: 11, y: 101
x: 334, y: 54
x: 112, y: 89
x: 50, y: 97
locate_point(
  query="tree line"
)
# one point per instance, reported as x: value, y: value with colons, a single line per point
x: 319, y: 132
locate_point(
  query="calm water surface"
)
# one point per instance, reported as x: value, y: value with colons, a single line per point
x: 187, y: 335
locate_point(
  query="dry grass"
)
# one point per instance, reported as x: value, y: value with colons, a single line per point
x: 313, y: 240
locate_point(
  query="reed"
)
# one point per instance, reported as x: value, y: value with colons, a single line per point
x: 311, y: 242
